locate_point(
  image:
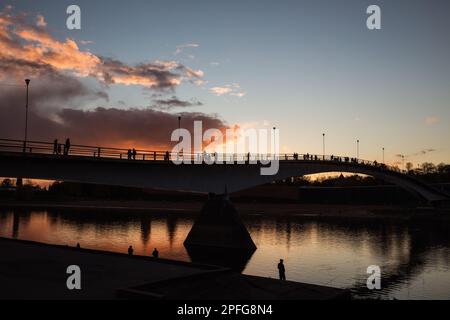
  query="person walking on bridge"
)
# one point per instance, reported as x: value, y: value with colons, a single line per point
x: 67, y: 147
x: 55, y: 146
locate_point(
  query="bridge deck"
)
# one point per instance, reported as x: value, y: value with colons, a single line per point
x: 156, y: 169
x: 47, y: 148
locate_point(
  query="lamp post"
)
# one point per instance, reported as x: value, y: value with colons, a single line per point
x: 179, y: 127
x: 357, y: 149
x: 274, y: 143
x: 383, y: 155
x: 323, y: 146
x: 27, y: 81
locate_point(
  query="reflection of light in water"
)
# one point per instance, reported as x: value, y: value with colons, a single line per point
x: 414, y: 259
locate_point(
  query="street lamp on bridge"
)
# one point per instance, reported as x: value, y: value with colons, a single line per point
x: 357, y: 149
x: 323, y: 145
x: 27, y: 81
x: 383, y: 155
x: 274, y: 142
x: 179, y: 127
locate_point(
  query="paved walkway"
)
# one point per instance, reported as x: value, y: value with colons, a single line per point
x: 30, y: 270
x: 35, y: 271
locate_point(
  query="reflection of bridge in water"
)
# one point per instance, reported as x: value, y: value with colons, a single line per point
x: 407, y: 247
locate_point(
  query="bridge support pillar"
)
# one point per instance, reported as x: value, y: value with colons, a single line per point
x: 219, y: 227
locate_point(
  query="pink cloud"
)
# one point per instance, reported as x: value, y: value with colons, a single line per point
x: 431, y: 120
x: 23, y: 41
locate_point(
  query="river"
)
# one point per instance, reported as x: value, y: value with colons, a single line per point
x: 414, y: 257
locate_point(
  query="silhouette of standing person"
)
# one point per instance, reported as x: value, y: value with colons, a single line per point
x: 129, y: 154
x: 55, y: 146
x: 130, y: 251
x: 155, y: 253
x: 134, y: 154
x: 67, y: 146
x: 282, y: 270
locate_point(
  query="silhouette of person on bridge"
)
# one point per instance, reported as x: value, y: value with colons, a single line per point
x: 130, y: 251
x: 134, y: 154
x: 129, y: 154
x: 282, y: 270
x: 155, y: 253
x: 55, y: 146
x: 67, y: 147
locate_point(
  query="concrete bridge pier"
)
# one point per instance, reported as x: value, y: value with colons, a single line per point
x: 218, y: 228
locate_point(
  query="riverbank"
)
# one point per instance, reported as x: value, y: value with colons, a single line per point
x: 253, y: 208
x: 31, y: 270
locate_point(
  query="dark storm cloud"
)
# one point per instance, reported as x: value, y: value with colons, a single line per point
x: 50, y: 118
x: 145, y: 128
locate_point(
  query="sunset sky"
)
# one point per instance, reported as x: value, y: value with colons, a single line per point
x: 306, y: 67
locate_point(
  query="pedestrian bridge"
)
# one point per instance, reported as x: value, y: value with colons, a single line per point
x: 154, y: 169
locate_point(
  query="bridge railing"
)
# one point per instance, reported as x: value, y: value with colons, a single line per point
x: 49, y: 148
x: 58, y: 150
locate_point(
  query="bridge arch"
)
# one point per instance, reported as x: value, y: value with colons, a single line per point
x: 407, y: 182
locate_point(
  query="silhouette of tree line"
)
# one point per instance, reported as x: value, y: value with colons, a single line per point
x: 430, y: 172
x: 68, y: 191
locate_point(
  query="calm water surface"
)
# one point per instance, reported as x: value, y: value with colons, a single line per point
x: 414, y: 256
